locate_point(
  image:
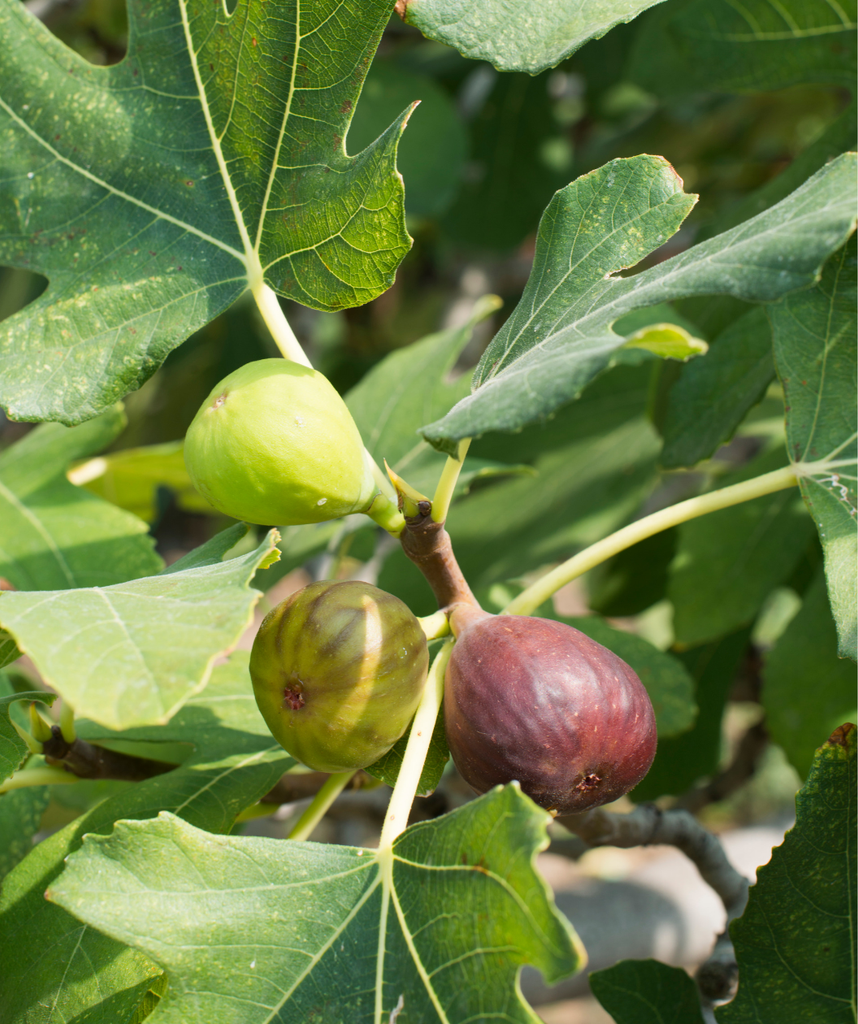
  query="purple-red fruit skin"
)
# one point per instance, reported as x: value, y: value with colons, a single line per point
x: 539, y: 701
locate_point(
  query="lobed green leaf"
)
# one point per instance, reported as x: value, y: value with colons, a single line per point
x: 560, y: 336
x: 154, y: 192
x: 795, y: 943
x: 52, y: 959
x: 816, y: 353
x: 253, y: 929
x: 133, y: 653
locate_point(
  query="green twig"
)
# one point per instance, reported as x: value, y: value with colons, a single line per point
x: 37, y: 777
x: 67, y: 726
x: 533, y: 596
x: 447, y: 483
x: 422, y: 727
x: 319, y: 806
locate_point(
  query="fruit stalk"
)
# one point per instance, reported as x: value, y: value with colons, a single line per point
x: 428, y: 545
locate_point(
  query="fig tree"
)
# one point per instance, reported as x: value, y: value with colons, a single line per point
x: 275, y: 444
x: 338, y: 670
x: 538, y: 701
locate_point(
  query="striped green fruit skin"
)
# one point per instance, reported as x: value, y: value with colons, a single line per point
x: 338, y: 670
x: 275, y: 444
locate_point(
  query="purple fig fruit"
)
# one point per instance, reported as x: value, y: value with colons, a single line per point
x: 538, y: 701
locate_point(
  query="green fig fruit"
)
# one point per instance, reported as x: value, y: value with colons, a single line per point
x: 275, y: 444
x: 338, y: 670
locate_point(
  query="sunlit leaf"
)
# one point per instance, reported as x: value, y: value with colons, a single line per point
x: 260, y: 929
x: 523, y: 36
x: 133, y: 653
x: 152, y: 193
x: 668, y: 341
x: 795, y: 943
x: 55, y: 536
x: 50, y: 958
x: 433, y: 150
x: 815, y: 356
x: 560, y: 336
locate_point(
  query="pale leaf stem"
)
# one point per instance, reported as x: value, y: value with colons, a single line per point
x: 415, y: 752
x: 447, y: 482
x: 319, y: 806
x: 275, y: 320
x: 435, y: 625
x: 537, y: 593
x: 37, y: 777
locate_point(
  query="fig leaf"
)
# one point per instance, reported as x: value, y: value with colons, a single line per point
x: 405, y: 928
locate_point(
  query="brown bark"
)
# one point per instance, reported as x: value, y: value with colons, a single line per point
x: 90, y: 762
x: 427, y: 544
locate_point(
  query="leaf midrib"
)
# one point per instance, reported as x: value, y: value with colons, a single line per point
x: 119, y: 193
x: 30, y: 517
x: 638, y: 285
x: 215, y: 141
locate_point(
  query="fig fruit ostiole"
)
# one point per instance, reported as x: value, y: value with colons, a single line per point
x: 538, y: 701
x: 274, y: 444
x: 338, y: 670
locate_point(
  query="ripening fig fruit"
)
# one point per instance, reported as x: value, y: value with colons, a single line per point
x: 538, y: 701
x: 275, y: 444
x: 338, y: 670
